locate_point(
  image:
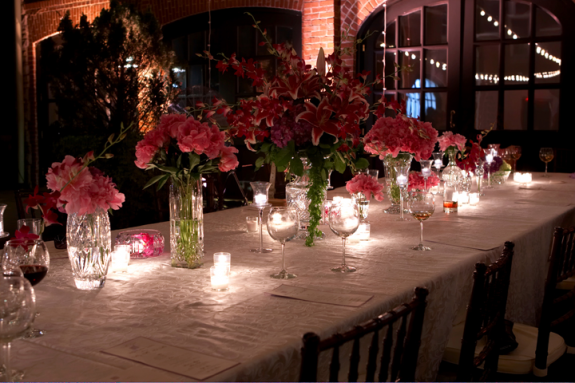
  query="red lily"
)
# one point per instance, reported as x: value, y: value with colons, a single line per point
x: 320, y: 118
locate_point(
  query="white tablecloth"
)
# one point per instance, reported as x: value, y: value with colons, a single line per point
x: 263, y: 332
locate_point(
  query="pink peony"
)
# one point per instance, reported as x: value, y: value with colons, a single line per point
x: 144, y: 154
x: 194, y: 136
x: 170, y: 124
x: 366, y: 184
x: 401, y: 134
x: 448, y: 139
x: 62, y: 172
x: 229, y: 161
x: 417, y: 182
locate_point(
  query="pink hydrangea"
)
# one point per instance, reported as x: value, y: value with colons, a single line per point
x: 200, y: 138
x: 448, y: 139
x: 417, y: 182
x: 401, y: 134
x: 366, y: 184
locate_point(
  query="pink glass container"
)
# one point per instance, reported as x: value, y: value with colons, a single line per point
x: 143, y: 243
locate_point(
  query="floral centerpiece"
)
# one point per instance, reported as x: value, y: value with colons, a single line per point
x: 301, y: 115
x: 183, y: 149
x: 451, y: 144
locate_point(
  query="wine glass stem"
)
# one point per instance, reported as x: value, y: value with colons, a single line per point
x: 5, y: 362
x: 489, y: 176
x: 400, y: 203
x: 261, y: 219
x: 283, y: 257
x: 421, y: 234
x: 343, y: 252
x: 545, y: 168
x: 425, y: 184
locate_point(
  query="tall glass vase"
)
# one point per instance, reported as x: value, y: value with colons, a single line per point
x: 89, y: 248
x: 186, y: 224
x: 391, y: 187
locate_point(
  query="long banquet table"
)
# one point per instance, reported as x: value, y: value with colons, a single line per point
x: 263, y: 332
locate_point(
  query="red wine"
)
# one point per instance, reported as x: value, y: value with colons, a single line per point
x: 34, y: 273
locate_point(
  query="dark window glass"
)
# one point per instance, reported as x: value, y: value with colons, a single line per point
x: 487, y: 20
x: 436, y: 25
x: 486, y: 109
x: 412, y: 103
x: 410, y: 78
x: 390, y: 32
x: 379, y: 43
x: 390, y: 69
x: 247, y: 37
x: 435, y: 109
x: 379, y: 68
x: 547, y: 62
x: 516, y: 64
x: 546, y: 109
x: 435, y: 68
x: 486, y: 64
x: 517, y: 17
x: 515, y: 114
x: 285, y: 35
x: 545, y: 24
x: 410, y: 30
x: 196, y: 44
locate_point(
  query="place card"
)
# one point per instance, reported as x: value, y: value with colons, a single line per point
x: 174, y: 359
x: 301, y: 293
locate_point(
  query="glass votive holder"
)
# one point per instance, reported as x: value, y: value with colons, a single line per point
x: 374, y: 173
x: 35, y: 225
x: 144, y: 243
x: 261, y: 190
x: 364, y: 231
x: 252, y: 224
x: 120, y: 258
x: 473, y: 199
x: 220, y: 277
x: 223, y: 259
x: 463, y: 197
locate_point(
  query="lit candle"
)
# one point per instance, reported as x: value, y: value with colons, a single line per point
x: 473, y: 199
x: 220, y: 277
x: 489, y: 158
x: 517, y: 177
x: 364, y: 231
x: 260, y: 199
x: 426, y: 172
x: 252, y: 224
x: 527, y: 177
x: 401, y: 180
x: 455, y: 197
x: 438, y: 163
x: 120, y: 258
x: 464, y: 197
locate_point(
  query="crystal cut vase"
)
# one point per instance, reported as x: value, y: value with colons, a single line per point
x: 89, y: 248
x: 186, y: 224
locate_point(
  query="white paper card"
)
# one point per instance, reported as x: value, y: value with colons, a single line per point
x: 301, y: 293
x: 181, y: 361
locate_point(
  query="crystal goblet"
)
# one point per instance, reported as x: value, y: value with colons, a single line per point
x: 421, y: 206
x: 283, y: 225
x: 344, y: 218
x: 546, y: 155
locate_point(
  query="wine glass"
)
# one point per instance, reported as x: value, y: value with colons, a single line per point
x: 421, y: 206
x: 32, y: 257
x: 546, y: 155
x: 17, y: 308
x: 283, y: 225
x: 515, y: 154
x: 344, y: 220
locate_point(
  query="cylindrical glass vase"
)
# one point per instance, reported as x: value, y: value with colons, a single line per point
x: 187, y: 224
x: 89, y: 248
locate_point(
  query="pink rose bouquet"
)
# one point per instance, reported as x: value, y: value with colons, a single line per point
x: 363, y: 183
x: 183, y: 148
x: 417, y: 182
x: 448, y: 139
x: 401, y: 134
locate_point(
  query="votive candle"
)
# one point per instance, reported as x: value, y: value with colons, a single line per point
x: 473, y: 199
x: 401, y: 180
x: 220, y: 278
x: 260, y: 199
x: 121, y: 258
x: 252, y: 224
x: 464, y: 197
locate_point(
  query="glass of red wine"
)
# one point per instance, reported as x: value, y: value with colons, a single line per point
x: 32, y: 257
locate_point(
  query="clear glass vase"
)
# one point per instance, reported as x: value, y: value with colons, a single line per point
x: 362, y: 204
x: 452, y: 172
x: 392, y: 189
x: 186, y: 224
x: 89, y: 248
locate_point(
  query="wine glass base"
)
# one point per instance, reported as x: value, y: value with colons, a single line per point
x: 421, y: 248
x: 17, y: 375
x: 343, y: 269
x: 261, y: 250
x: 283, y: 275
x: 34, y: 333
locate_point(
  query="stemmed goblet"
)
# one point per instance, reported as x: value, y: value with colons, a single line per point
x: 546, y: 155
x: 402, y: 179
x: 261, y: 202
x: 515, y: 154
x: 421, y: 206
x: 283, y: 225
x: 17, y: 308
x: 425, y: 171
x: 344, y: 220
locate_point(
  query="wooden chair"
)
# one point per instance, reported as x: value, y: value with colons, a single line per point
x: 484, y: 321
x: 397, y: 365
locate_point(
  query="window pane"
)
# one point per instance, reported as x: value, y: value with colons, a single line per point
x: 436, y: 25
x: 486, y: 103
x: 516, y: 64
x: 435, y: 109
x: 379, y: 69
x: 409, y: 79
x: 390, y: 69
x: 390, y: 32
x: 180, y: 46
x: 515, y: 110
x: 545, y: 25
x: 247, y: 36
x: 435, y: 68
x: 487, y: 20
x: 487, y: 65
x: 517, y: 17
x: 410, y: 30
x: 547, y: 62
x: 412, y: 103
x: 546, y: 109
x: 285, y: 35
x: 195, y: 45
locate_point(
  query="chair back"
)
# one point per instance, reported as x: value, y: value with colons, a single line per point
x: 396, y: 363
x: 485, y: 317
x: 556, y: 310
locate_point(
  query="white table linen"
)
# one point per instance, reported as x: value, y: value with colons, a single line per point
x: 263, y: 332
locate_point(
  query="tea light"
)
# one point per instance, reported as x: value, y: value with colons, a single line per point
x: 364, y: 231
x: 401, y: 180
x: 473, y: 199
x: 455, y: 197
x: 426, y: 172
x: 438, y: 163
x: 222, y: 258
x: 523, y: 178
x: 260, y: 199
x: 489, y: 157
x: 121, y: 258
x: 220, y: 277
x: 252, y: 224
x: 463, y: 197
x: 517, y: 176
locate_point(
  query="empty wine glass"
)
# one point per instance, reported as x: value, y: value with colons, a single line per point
x: 17, y: 308
x: 515, y: 153
x: 425, y: 171
x: 546, y: 155
x: 344, y: 220
x: 421, y: 206
x: 283, y: 225
x: 32, y: 258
